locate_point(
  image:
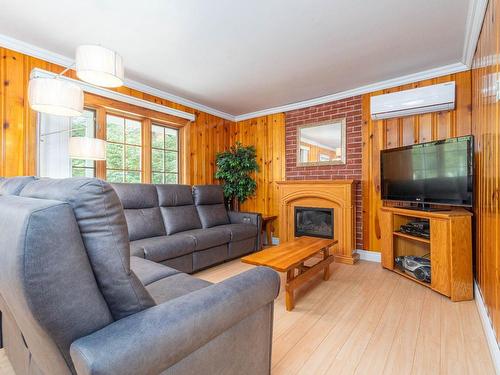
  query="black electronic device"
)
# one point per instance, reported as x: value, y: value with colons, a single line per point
x: 439, y: 172
x: 417, y: 267
x: 419, y: 228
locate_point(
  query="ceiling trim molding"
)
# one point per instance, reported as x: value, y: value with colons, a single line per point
x: 87, y: 87
x: 43, y: 54
x: 475, y: 18
x: 410, y: 78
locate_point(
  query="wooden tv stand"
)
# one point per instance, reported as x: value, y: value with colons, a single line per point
x: 449, y: 247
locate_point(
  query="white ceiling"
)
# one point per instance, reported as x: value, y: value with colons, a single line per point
x: 246, y: 56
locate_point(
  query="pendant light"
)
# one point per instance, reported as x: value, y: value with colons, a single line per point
x: 99, y: 66
x: 55, y: 96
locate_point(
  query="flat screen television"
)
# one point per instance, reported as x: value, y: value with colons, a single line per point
x: 439, y: 172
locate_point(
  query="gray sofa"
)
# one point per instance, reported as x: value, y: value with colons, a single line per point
x: 73, y: 301
x: 186, y: 228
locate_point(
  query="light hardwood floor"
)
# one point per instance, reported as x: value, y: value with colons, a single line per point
x: 366, y: 320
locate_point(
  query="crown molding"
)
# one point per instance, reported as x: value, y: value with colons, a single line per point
x: 410, y: 78
x: 111, y: 94
x: 43, y: 54
x: 474, y: 23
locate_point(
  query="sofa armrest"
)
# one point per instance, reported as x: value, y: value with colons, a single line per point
x: 252, y: 218
x: 156, y: 338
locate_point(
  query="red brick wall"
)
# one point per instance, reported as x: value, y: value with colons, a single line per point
x: 350, y: 109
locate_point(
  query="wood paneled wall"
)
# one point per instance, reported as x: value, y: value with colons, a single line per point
x: 206, y: 136
x: 382, y: 134
x: 267, y: 134
x: 486, y: 130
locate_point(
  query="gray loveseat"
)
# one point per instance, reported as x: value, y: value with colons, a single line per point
x: 186, y: 228
x: 73, y: 301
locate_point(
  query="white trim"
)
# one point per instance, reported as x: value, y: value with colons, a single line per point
x: 410, y: 78
x: 46, y: 55
x: 370, y: 256
x: 488, y: 328
x: 475, y: 18
x: 87, y: 87
x: 43, y: 54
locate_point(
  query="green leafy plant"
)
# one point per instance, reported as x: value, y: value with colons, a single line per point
x: 234, y: 168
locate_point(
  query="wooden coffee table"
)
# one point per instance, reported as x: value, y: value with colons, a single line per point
x: 290, y: 257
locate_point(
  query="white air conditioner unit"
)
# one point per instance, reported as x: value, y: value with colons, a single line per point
x: 426, y: 99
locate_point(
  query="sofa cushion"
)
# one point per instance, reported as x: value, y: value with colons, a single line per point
x: 14, y: 185
x: 175, y: 286
x: 209, y: 237
x: 103, y: 228
x: 142, y: 211
x: 162, y: 248
x: 148, y: 272
x: 208, y: 194
x: 239, y: 232
x: 177, y: 208
x: 212, y: 215
x: 180, y: 218
x: 171, y: 195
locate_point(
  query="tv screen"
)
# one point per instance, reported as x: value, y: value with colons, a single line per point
x: 439, y: 172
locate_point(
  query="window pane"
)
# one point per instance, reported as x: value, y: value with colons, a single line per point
x: 157, y: 160
x: 115, y: 128
x: 84, y: 125
x: 133, y: 158
x: 158, y: 178
x: 133, y: 177
x: 157, y: 137
x: 171, y: 136
x: 115, y: 176
x: 133, y: 132
x: 114, y: 156
x: 78, y: 172
x: 171, y: 178
x: 170, y: 161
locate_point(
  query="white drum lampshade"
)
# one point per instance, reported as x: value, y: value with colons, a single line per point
x: 99, y: 66
x: 55, y: 96
x: 87, y: 148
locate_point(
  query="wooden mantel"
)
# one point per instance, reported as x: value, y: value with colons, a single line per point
x: 337, y: 194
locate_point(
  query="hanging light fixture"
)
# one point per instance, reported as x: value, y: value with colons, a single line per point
x: 99, y: 66
x: 87, y: 148
x: 55, y: 96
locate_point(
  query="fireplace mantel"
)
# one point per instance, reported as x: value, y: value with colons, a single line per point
x: 337, y: 194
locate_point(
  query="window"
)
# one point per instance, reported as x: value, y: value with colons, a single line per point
x: 83, y: 126
x: 164, y: 155
x: 124, y: 149
x: 304, y: 154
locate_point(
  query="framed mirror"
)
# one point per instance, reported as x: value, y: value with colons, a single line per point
x: 322, y: 143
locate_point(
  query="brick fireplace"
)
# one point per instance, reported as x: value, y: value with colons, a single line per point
x: 350, y: 109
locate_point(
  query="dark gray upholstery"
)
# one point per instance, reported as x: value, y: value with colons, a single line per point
x: 162, y: 248
x: 192, y: 220
x: 209, y: 200
x: 65, y: 265
x: 14, y: 185
x: 164, y: 329
x: 103, y: 228
x: 177, y: 208
x: 142, y: 211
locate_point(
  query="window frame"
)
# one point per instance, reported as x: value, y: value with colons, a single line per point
x: 105, y: 106
x: 164, y: 150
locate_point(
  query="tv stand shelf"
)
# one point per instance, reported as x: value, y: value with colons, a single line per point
x: 449, y: 247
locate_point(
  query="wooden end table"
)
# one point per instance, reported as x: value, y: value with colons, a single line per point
x: 267, y: 221
x: 290, y: 257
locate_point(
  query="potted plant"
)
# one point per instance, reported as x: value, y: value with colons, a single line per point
x: 234, y: 168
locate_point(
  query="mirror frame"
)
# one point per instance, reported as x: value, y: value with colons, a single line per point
x: 343, y: 133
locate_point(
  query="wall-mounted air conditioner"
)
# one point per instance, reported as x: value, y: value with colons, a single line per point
x: 426, y: 99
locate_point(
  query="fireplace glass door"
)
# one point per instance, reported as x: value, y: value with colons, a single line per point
x: 314, y: 222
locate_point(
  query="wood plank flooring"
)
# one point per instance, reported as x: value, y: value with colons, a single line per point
x: 366, y: 320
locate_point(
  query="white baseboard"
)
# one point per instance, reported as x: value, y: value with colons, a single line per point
x: 370, y: 256
x: 488, y: 328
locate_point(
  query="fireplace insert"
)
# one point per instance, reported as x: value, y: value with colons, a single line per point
x: 314, y: 222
